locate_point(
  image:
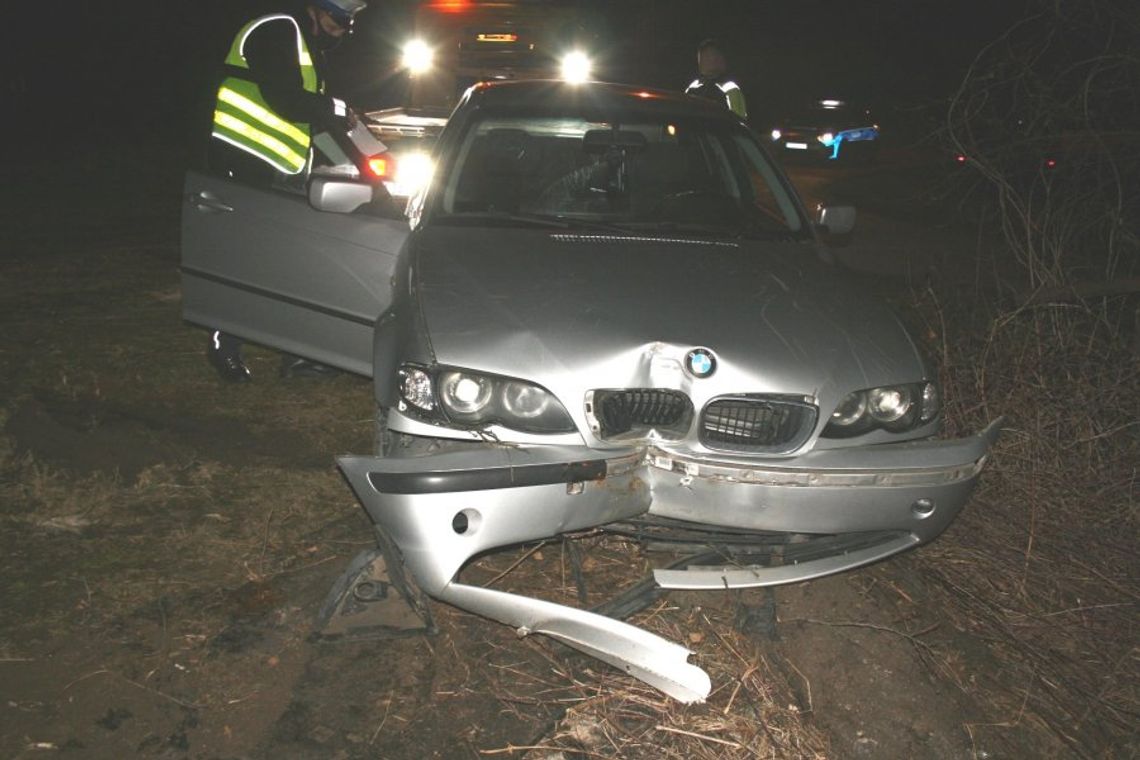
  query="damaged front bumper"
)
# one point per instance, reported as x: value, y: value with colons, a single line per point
x: 441, y: 510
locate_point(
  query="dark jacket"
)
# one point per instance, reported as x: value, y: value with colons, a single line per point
x: 271, y: 51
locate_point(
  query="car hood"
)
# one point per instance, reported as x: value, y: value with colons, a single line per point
x: 573, y: 311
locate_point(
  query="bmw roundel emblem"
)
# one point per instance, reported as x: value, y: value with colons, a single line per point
x: 700, y: 362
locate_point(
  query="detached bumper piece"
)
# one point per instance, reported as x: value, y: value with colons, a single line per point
x: 745, y: 559
x: 817, y: 514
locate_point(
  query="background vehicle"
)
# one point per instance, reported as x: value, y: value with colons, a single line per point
x: 409, y: 134
x: 457, y: 43
x: 830, y: 129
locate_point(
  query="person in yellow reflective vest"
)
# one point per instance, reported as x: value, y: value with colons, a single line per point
x: 270, y: 102
x: 713, y: 81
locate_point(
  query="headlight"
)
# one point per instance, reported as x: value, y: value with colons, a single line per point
x: 850, y: 410
x: 931, y: 402
x: 889, y: 404
x: 417, y: 56
x: 407, y: 174
x: 525, y: 401
x: 827, y: 138
x: 894, y: 407
x: 416, y: 388
x: 777, y: 134
x: 473, y: 399
x: 576, y: 67
x: 464, y: 395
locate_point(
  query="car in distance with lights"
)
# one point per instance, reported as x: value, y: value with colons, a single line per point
x: 456, y: 43
x: 829, y: 129
x: 610, y: 309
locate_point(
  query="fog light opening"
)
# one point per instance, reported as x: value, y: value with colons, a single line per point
x: 370, y: 591
x: 466, y: 522
x: 922, y: 508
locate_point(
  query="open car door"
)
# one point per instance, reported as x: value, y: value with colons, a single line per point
x: 266, y: 266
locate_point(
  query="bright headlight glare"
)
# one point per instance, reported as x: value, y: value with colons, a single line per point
x: 576, y: 67
x: 850, y: 410
x: 416, y: 388
x: 417, y: 56
x: 415, y: 170
x: 827, y: 138
x: 464, y: 394
x: 413, y: 173
x: 931, y: 402
x: 777, y: 134
x: 889, y: 404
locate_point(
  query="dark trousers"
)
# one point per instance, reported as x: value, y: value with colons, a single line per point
x: 223, y: 344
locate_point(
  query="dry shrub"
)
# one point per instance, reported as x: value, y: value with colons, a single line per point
x: 1047, y: 117
x: 1045, y: 566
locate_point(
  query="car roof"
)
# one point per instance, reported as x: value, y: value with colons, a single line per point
x: 549, y: 95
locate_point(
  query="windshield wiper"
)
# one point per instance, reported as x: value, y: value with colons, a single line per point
x: 685, y: 228
x: 533, y: 220
x: 537, y: 220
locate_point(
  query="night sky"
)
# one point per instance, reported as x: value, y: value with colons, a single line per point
x: 129, y: 71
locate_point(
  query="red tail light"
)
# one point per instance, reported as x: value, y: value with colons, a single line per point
x: 960, y: 158
x: 450, y: 6
x: 1050, y: 163
x: 382, y: 166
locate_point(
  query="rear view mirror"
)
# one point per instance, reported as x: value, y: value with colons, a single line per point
x: 338, y: 195
x: 836, y: 221
x: 603, y: 140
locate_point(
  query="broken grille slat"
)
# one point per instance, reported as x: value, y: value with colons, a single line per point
x: 620, y: 411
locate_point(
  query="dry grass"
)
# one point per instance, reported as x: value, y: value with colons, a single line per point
x: 1044, y: 566
x: 751, y: 712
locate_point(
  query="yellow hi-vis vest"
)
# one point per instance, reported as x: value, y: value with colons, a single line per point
x: 243, y: 119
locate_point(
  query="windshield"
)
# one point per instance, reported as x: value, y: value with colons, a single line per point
x: 704, y: 176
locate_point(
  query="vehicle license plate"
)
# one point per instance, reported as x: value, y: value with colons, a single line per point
x: 495, y: 37
x: 796, y: 146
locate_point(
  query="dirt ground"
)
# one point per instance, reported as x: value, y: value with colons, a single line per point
x: 166, y: 541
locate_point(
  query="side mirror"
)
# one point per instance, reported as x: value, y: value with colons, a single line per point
x: 836, y: 221
x: 337, y: 195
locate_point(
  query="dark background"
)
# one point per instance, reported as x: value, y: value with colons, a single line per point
x: 113, y: 74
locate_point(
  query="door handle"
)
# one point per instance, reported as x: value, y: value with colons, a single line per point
x: 207, y: 201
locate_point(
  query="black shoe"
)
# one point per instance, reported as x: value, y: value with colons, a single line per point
x: 230, y: 367
x: 295, y: 366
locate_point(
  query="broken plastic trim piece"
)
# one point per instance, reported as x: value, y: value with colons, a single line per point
x: 643, y: 655
x: 707, y: 578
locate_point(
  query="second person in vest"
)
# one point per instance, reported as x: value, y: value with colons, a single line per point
x: 713, y: 80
